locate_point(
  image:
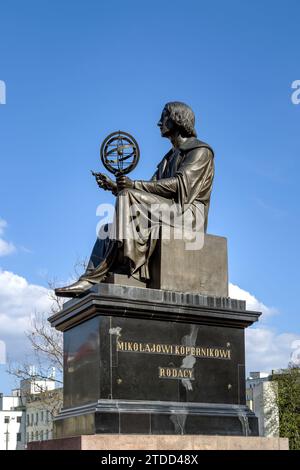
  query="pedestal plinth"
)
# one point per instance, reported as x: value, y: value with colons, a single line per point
x: 160, y: 443
x: 146, y: 361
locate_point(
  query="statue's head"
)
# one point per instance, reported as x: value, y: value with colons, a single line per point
x: 177, y: 117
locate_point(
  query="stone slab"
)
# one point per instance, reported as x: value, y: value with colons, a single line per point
x: 161, y: 442
x: 201, y: 271
x: 155, y: 304
x: 124, y: 280
x: 116, y: 358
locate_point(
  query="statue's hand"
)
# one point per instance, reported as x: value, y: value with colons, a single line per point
x: 104, y: 182
x: 123, y: 182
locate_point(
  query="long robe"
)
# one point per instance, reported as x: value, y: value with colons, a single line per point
x: 184, y: 177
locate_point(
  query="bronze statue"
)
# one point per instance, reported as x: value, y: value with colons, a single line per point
x: 184, y: 176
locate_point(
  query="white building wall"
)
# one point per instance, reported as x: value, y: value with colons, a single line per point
x: 261, y: 396
x: 39, y: 424
x: 39, y: 415
x: 17, y: 426
x: 10, y: 402
x: 12, y: 430
x: 34, y: 385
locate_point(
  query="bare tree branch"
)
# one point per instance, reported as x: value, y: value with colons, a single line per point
x: 46, y: 344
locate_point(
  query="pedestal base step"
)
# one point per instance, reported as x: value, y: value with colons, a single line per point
x: 161, y: 442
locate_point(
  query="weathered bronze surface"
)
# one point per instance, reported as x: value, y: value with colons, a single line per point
x: 119, y: 153
x: 184, y: 176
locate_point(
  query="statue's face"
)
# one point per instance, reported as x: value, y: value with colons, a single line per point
x: 166, y: 124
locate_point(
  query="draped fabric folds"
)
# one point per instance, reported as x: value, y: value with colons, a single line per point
x: 183, y: 180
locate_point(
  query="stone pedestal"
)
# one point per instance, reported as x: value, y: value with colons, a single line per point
x: 153, y: 362
x: 160, y: 443
x: 172, y: 267
x: 203, y: 270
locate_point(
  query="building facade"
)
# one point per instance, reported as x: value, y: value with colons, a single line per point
x: 40, y: 411
x: 261, y: 395
x: 12, y: 422
x: 27, y: 414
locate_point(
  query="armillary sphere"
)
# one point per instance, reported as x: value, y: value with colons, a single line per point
x: 119, y: 153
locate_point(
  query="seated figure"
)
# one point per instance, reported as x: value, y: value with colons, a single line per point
x: 183, y: 178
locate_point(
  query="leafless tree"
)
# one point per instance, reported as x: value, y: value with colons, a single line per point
x: 46, y: 348
x: 46, y: 344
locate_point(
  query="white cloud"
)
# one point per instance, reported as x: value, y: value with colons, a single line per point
x: 266, y: 349
x: 252, y: 303
x: 18, y: 301
x: 5, y: 247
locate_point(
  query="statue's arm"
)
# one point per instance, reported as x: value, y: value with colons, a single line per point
x: 196, y: 171
x: 165, y: 187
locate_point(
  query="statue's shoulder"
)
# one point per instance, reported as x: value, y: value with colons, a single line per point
x: 193, y: 144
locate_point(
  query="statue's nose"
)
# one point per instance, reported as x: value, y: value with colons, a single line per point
x: 159, y: 123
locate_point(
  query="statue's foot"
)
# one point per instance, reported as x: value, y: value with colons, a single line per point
x: 74, y: 290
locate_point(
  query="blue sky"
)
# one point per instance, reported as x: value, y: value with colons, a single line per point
x: 76, y: 71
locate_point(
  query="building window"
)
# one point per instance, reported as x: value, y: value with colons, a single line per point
x: 32, y: 436
x: 27, y: 420
x: 36, y: 418
x: 19, y: 419
x: 19, y: 438
x: 47, y: 435
x: 27, y: 437
x: 6, y: 419
x: 42, y: 416
x: 42, y: 435
x: 31, y: 419
x: 36, y: 436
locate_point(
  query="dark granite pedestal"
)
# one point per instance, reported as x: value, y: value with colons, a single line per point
x: 146, y: 361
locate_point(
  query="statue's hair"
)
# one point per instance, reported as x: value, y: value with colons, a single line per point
x: 183, y: 116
